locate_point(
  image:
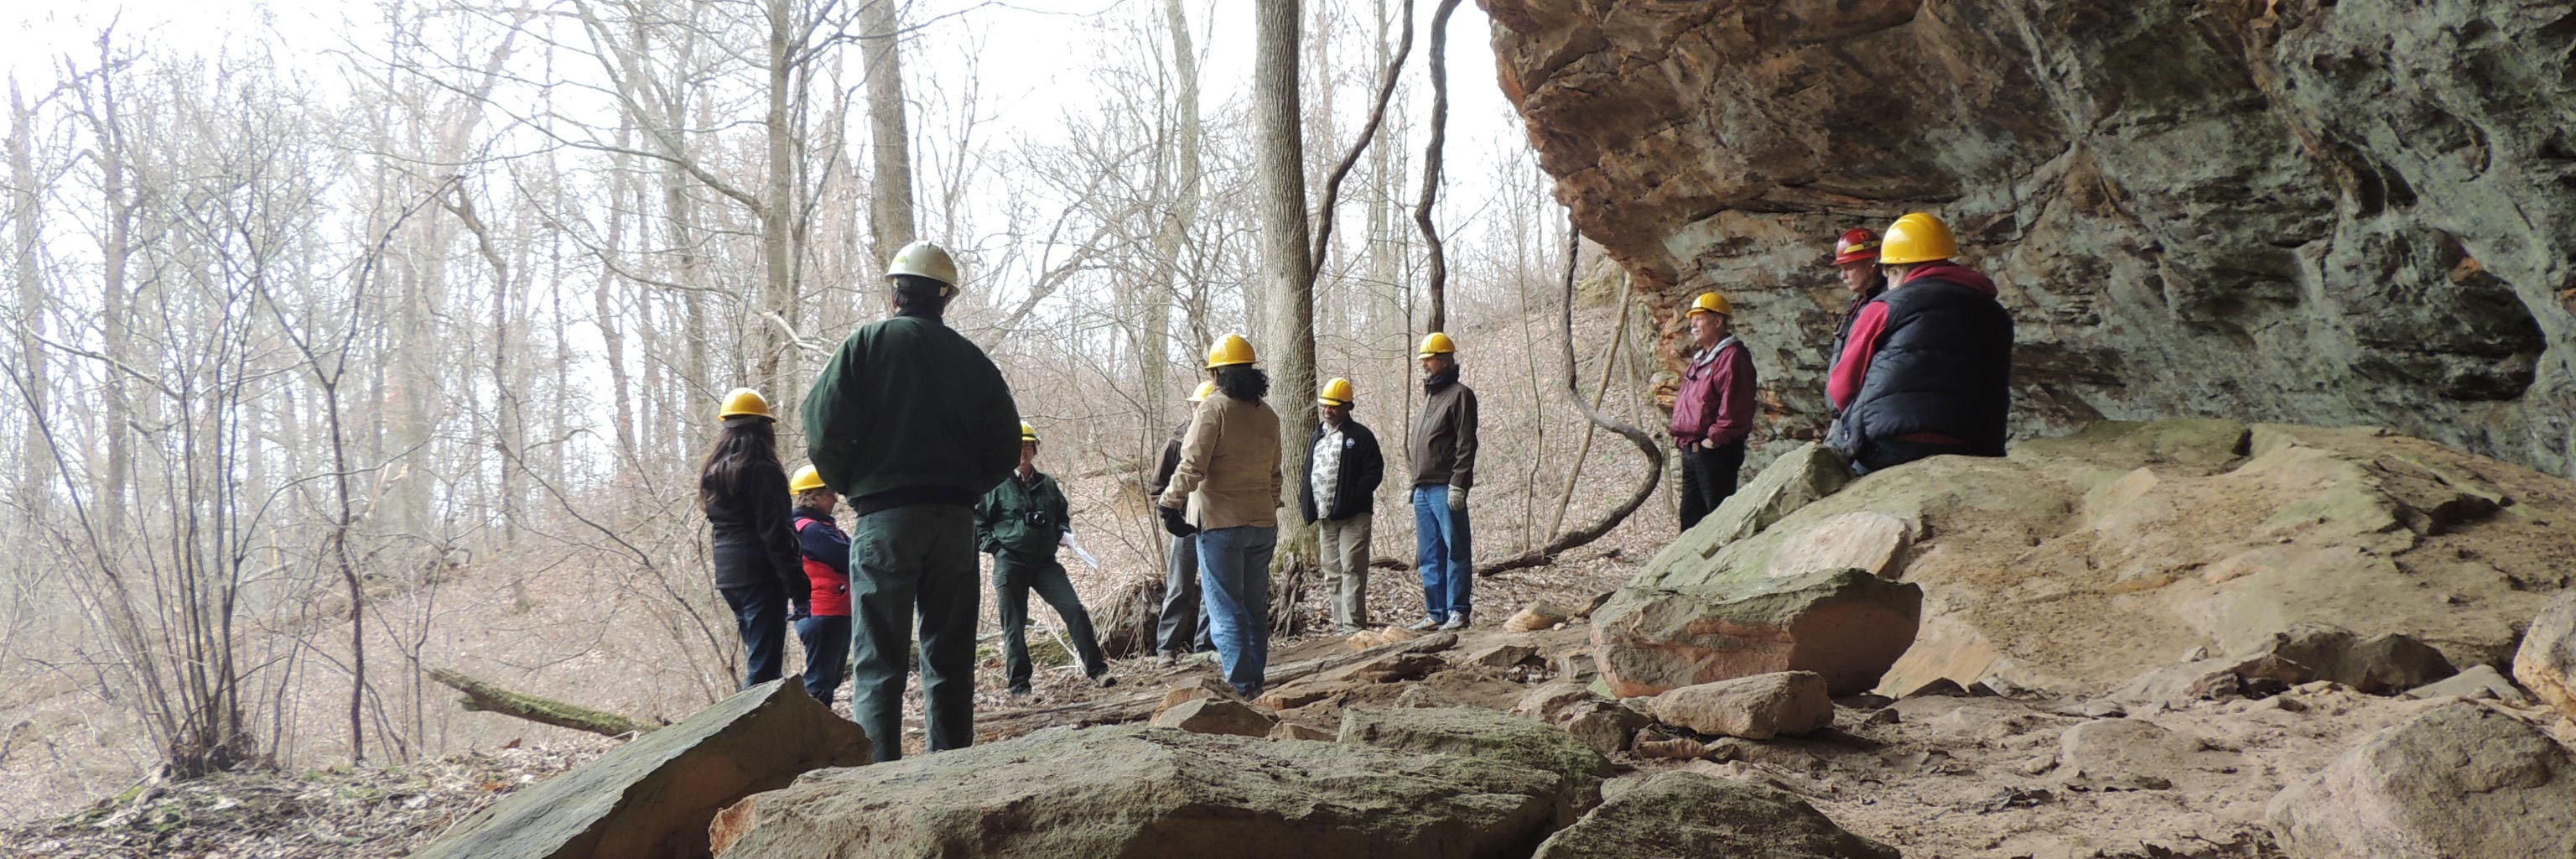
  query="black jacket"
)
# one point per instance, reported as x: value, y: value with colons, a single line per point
x: 755, y: 535
x: 1363, y: 468
x: 1942, y: 375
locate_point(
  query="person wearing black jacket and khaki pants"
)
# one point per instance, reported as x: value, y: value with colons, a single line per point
x: 1343, y: 469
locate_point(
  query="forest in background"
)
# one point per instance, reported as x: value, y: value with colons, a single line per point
x: 311, y: 323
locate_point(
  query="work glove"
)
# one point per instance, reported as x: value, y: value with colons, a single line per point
x: 796, y: 611
x: 1176, y: 524
x: 1457, y: 498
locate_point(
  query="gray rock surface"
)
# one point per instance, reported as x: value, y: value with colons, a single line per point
x: 654, y: 796
x: 1846, y: 625
x: 2460, y: 781
x: 1688, y: 815
x: 1216, y: 716
x: 1143, y: 793
x: 2336, y: 213
x: 2546, y: 664
x: 1487, y: 734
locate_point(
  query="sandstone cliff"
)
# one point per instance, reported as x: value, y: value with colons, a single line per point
x: 2342, y: 213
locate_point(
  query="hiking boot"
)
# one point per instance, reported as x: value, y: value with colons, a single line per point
x: 1167, y: 658
x: 1424, y: 625
x: 1104, y: 679
x: 1020, y: 692
x: 1456, y: 621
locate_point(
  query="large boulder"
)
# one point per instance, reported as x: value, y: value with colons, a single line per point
x: 2460, y: 781
x: 1798, y: 478
x: 1143, y: 793
x: 1846, y: 625
x: 2546, y: 664
x: 1481, y: 733
x: 1688, y: 815
x: 654, y: 796
x: 1756, y: 708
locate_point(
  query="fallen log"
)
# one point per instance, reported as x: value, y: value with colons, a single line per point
x: 482, y: 696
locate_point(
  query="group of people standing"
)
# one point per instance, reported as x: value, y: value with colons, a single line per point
x: 1921, y: 365
x: 1218, y: 488
x: 915, y: 428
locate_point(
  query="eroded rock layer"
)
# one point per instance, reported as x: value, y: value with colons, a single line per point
x: 2356, y: 212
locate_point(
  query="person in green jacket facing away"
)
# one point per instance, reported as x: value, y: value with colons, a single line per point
x: 1020, y: 523
x: 912, y: 423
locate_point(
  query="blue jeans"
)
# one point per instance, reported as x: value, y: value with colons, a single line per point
x: 1234, y: 581
x: 1443, y: 553
x: 760, y: 611
x: 827, y: 654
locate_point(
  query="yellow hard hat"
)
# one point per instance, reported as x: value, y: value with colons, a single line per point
x: 1205, y: 389
x: 1336, y: 393
x: 1232, y: 351
x: 1028, y: 433
x: 1710, y: 302
x: 1436, y: 343
x: 745, y: 403
x: 925, y: 259
x: 1917, y: 237
x: 806, y: 478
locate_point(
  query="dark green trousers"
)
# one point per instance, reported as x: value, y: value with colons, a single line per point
x: 906, y: 561
x: 1014, y: 576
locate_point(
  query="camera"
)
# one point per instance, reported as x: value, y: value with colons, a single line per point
x: 1038, y: 518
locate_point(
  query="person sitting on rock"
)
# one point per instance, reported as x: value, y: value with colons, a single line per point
x: 1713, y: 410
x: 1020, y: 523
x: 1927, y: 369
x: 1856, y: 264
x: 822, y: 620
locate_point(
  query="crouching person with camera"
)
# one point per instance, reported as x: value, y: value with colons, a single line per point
x: 1020, y: 523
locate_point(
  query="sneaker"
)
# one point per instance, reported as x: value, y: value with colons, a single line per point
x: 1425, y: 625
x: 1349, y: 629
x: 1167, y: 658
x: 1456, y: 621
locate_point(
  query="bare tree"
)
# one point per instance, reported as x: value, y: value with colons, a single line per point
x: 891, y: 204
x: 1437, y: 280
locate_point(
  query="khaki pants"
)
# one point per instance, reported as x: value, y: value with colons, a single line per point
x: 1345, y: 546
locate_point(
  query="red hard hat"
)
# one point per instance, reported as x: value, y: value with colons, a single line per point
x: 1856, y: 246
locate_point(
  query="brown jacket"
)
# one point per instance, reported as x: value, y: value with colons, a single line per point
x: 1444, y: 440
x: 1228, y: 473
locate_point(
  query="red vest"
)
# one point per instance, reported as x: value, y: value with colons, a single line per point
x: 831, y: 589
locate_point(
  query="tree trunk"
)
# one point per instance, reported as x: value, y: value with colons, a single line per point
x: 35, y: 458
x: 1289, y: 279
x: 1438, y: 281
x: 776, y: 366
x: 1154, y: 356
x: 890, y: 203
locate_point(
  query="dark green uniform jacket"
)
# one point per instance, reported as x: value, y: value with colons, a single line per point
x: 1022, y: 520
x: 910, y: 412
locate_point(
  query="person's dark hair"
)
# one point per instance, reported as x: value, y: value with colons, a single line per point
x: 917, y: 294
x: 742, y: 446
x: 1246, y: 383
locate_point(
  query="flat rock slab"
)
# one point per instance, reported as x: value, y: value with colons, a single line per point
x: 2132, y: 754
x: 1755, y: 708
x: 1688, y: 815
x: 1144, y: 793
x: 1216, y: 716
x: 1863, y: 540
x: 653, y: 797
x: 2460, y: 781
x: 2480, y: 681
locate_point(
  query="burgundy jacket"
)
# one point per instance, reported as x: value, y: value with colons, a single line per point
x: 1716, y: 398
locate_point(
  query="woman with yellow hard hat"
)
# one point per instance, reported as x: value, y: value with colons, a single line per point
x: 759, y: 570
x: 1227, y: 487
